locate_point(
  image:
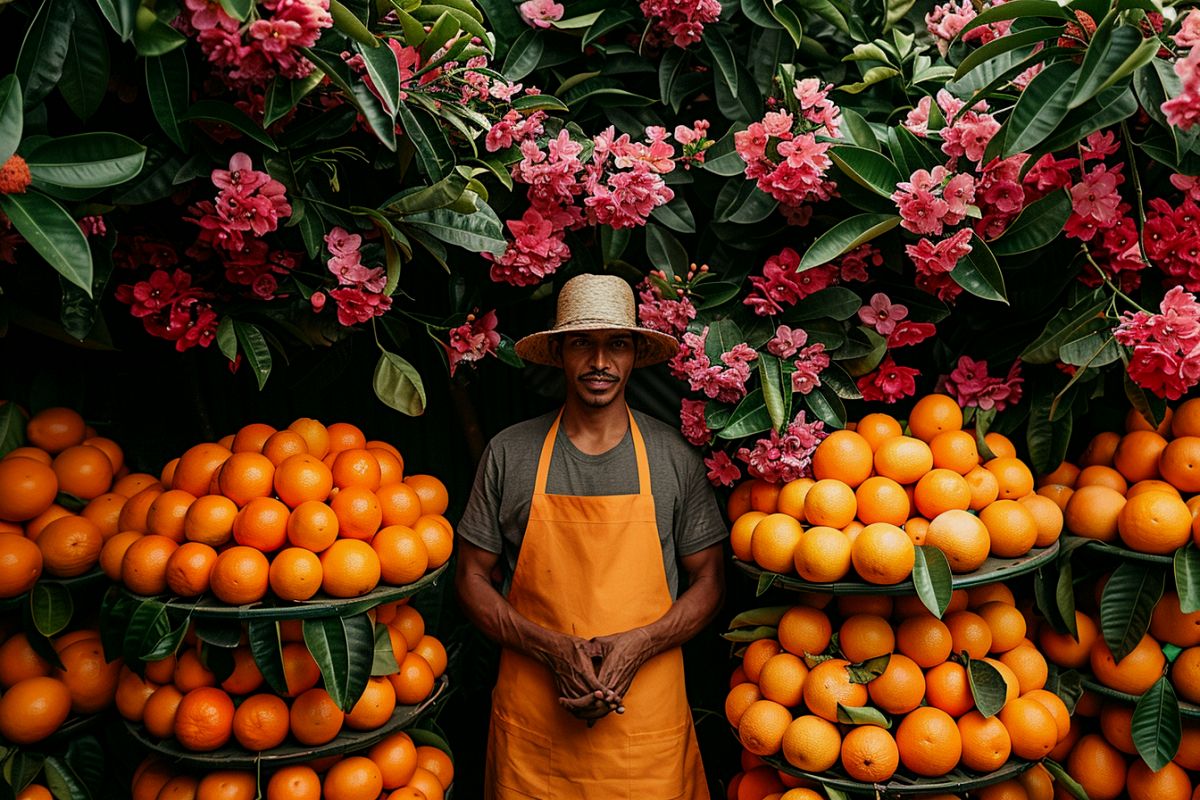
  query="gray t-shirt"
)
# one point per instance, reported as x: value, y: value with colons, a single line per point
x: 498, y: 509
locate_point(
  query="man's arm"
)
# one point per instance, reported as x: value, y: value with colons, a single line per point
x: 569, y: 658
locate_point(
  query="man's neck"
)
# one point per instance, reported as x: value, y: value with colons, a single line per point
x: 595, y: 430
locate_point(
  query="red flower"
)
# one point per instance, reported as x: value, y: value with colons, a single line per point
x: 14, y: 176
x: 889, y: 383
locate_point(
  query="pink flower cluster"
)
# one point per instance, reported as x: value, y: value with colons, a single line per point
x: 930, y: 201
x: 807, y: 363
x: 1183, y: 110
x: 999, y: 195
x: 882, y: 314
x: 1188, y: 34
x: 472, y: 340
x: 1096, y: 203
x: 540, y: 13
x: 721, y: 469
x: 724, y: 382
x: 624, y: 181
x: 256, y: 265
x: 947, y: 20
x: 966, y: 135
x: 889, y: 382
x: 249, y: 202
x: 970, y: 385
x: 171, y: 308
x: 692, y: 423
x: 782, y: 286
x: 359, y: 295
x: 782, y: 458
x: 934, y: 262
x: 855, y: 265
x: 251, y: 55
x: 1166, y: 346
x: 668, y: 315
x: 1172, y: 240
x: 680, y: 22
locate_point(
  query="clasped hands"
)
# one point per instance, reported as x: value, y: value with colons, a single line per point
x: 593, y: 675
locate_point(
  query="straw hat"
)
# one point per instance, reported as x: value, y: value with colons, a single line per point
x: 597, y: 303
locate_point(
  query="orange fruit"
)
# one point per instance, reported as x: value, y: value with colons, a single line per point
x: 396, y: 757
x: 739, y: 501
x: 56, y: 429
x: 1134, y: 421
x: 934, y: 414
x: 159, y: 713
x: 245, y: 476
x: 827, y: 685
x: 903, y: 459
x: 356, y: 467
x: 869, y: 754
x: 822, y: 555
x: 1136, y: 456
x: 844, y: 456
x: 197, y: 466
x: 1065, y: 474
x: 314, y: 718
x: 1093, y: 512
x: 900, y: 688
x: 762, y: 727
x: 760, y: 651
x: 986, y: 744
x: 343, y: 436
x: 251, y: 438
x: 262, y: 524
x: 315, y: 435
x: 374, y: 706
x: 1099, y: 768
x: 1032, y: 727
x: 189, y: 569
x: 144, y: 567
x: 35, y: 453
x: 985, y: 487
x: 1185, y: 674
x: 300, y: 670
x: 880, y: 499
x: 399, y: 503
x: 240, y: 576
x: 353, y: 778
x: 434, y: 498
x: 34, y: 792
x: 1155, y: 522
x: 740, y: 698
x: 105, y: 513
x: 1185, y: 421
x: 430, y: 649
x: 35, y: 526
x: 167, y: 513
x: 204, y: 719
x: 132, y: 694
x: 301, y: 478
x: 741, y: 534
x: 20, y: 564
x: 27, y: 488
x: 295, y: 574
x: 1179, y: 464
x: 179, y: 787
x: 925, y: 639
x: 791, y: 497
x: 228, y: 785
x: 1057, y: 493
x: 941, y: 490
x: 282, y: 445
x: 391, y: 463
x: 113, y: 553
x: 1012, y: 475
x: 929, y: 742
x: 1116, y: 724
x: 803, y: 631
x: 1135, y: 673
x: 135, y: 482
x: 191, y: 673
x: 350, y: 568
x: 427, y: 784
x: 782, y: 679
x: 811, y: 744
x: 358, y: 511
x: 312, y: 525
x: 1099, y: 475
x: 1064, y: 649
x: 1047, y: 518
x: 1057, y: 709
x: 1151, y: 485
x: 414, y: 680
x: 167, y: 476
x: 1169, y: 783
x: 18, y: 661
x: 209, y: 520
x: 70, y: 546
x: 245, y: 677
x: 1188, y: 755
x: 877, y: 427
x: 764, y: 496
x: 1000, y: 445
x: 773, y: 546
x: 1170, y: 624
x: 135, y: 513
x: 438, y: 537
x: 402, y: 555
x: 955, y: 451
x: 831, y: 503
x: 1012, y: 529
x: 865, y: 636
x: 434, y: 760
x: 1028, y: 665
x: 883, y: 554
x: 947, y: 688
x: 33, y: 709
x: 89, y: 678
x: 969, y: 632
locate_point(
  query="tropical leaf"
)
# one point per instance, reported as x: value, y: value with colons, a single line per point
x: 53, y: 233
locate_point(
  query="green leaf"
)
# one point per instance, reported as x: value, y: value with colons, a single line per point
x: 1064, y: 597
x: 1143, y: 55
x: 847, y: 235
x: 398, y: 385
x: 978, y: 272
x: 827, y: 406
x: 1017, y: 9
x: 871, y: 77
x: 1061, y: 778
x: 480, y: 232
x: 665, y: 252
x: 86, y: 160
x: 723, y: 336
x: 444, y: 193
x: 434, y: 154
x: 267, y: 650
x: 931, y: 575
x: 1106, y: 51
x: 1126, y: 604
x: 445, y: 27
x: 254, y: 347
x: 862, y: 715
x: 384, y: 72
x: 1107, y: 108
x: 12, y: 116
x: 1187, y: 576
x: 53, y: 233
x: 12, y: 428
x: 62, y: 781
x: 538, y: 102
x: 748, y: 418
x: 723, y: 59
x: 1092, y: 350
x: 384, y: 658
x: 44, y: 50
x: 50, y: 607
x: 609, y: 20
x: 345, y: 21
x: 226, y: 114
x: 283, y: 95
x: 987, y: 687
x: 227, y: 338
x: 767, y: 615
x: 1068, y: 324
x: 577, y: 22
x: 1041, y: 106
x: 238, y: 9
x: 344, y: 649
x: 84, y: 78
x: 742, y: 202
x: 1156, y: 727
x: 909, y: 152
x: 223, y: 633
x: 1047, y: 439
x: 1039, y: 225
x: 168, y: 643
x: 120, y: 15
x: 834, y: 302
x: 856, y: 127
x: 870, y: 169
x: 147, y: 625
x: 676, y: 215
x: 1003, y: 44
x: 750, y: 634
x: 1151, y: 407
x: 156, y: 38
x: 524, y: 55
x: 867, y: 671
x: 504, y: 19
x: 87, y: 758
x: 776, y: 388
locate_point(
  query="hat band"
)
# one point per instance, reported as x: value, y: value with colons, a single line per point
x: 605, y: 323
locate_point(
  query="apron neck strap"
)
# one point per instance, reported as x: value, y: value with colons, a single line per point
x: 639, y: 451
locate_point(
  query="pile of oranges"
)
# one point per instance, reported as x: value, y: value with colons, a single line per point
x: 39, y: 697
x: 63, y: 460
x: 296, y: 511
x: 876, y: 493
x: 396, y: 769
x: 786, y: 695
x: 1131, y: 488
x: 180, y: 697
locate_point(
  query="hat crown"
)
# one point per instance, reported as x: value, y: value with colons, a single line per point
x: 598, y: 300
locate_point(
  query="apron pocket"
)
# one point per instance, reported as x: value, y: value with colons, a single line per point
x: 661, y: 762
x: 521, y: 758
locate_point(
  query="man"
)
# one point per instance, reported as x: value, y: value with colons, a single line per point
x: 591, y: 513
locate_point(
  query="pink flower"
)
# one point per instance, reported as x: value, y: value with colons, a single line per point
x: 1188, y: 34
x: 472, y: 340
x: 724, y: 382
x: 661, y: 314
x: 679, y: 21
x: 540, y: 13
x: 721, y: 470
x: 249, y: 201
x: 692, y: 423
x: 171, y: 308
x: 779, y: 459
x: 1189, y: 184
x: 815, y: 105
x: 346, y: 262
x: 1099, y: 145
x: 1165, y: 357
x: 781, y: 285
x: 1183, y: 110
x: 318, y: 301
x: 93, y: 225
x: 1172, y: 240
x: 970, y: 384
x: 537, y: 249
x: 355, y: 306
x: 928, y: 201
x: 882, y: 314
x: 854, y: 265
x: 1049, y: 173
x: 1095, y: 202
x: 787, y: 341
x: 809, y: 364
x: 908, y: 333
x: 889, y: 383
x: 940, y: 258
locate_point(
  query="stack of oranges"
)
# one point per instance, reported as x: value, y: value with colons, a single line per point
x: 396, y: 769
x: 787, y: 696
x: 296, y: 511
x: 63, y: 463
x: 180, y: 697
x: 1140, y: 489
x: 39, y: 697
x: 876, y: 493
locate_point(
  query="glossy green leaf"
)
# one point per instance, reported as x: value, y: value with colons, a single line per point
x: 610, y: 19
x: 43, y: 51
x: 932, y: 578
x: 283, y: 95
x: 384, y: 71
x: 226, y: 114
x: 254, y: 347
x: 84, y: 80
x: 504, y: 20
x: 723, y: 336
x: 1156, y: 727
x: 12, y: 116
x: 50, y: 607
x: 1047, y: 439
x: 862, y: 715
x: 825, y: 404
x: 384, y: 657
x: 747, y: 105
x: 665, y: 252
x: 868, y: 168
x: 223, y: 633
x: 987, y: 687
x: 750, y: 634
x: 1042, y: 105
x: 1092, y: 350
x: 1187, y: 578
x: 157, y: 37
x: 344, y: 649
x: 1017, y: 9
x: 676, y: 215
x: 764, y: 584
x: 787, y: 19
x: 1106, y: 51
x: 148, y: 624
x: 1064, y: 598
x: 88, y: 759
x: 722, y: 159
x: 524, y: 55
x: 62, y: 781
x: 1150, y: 406
x: 1106, y: 109
x: 120, y: 15
x: 1039, y: 224
x: 776, y: 388
x: 867, y: 671
x: 53, y: 233
x: 1126, y: 604
x: 1140, y: 57
x: 833, y: 302
x: 398, y: 385
x: 723, y: 59
x: 346, y: 22
x: 441, y: 194
x: 1061, y: 778
x: 748, y: 418
x: 978, y: 272
x: 847, y: 235
x: 480, y: 232
x: 909, y: 152
x: 858, y: 130
x: 238, y: 9
x: 1068, y: 324
x: 1003, y: 44
x: 86, y: 160
x: 869, y: 78
x: 167, y: 85
x: 267, y: 650
x: 743, y: 203
x: 767, y: 615
x: 434, y: 154
x: 168, y: 643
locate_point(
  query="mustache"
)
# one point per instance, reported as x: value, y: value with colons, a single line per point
x: 600, y: 376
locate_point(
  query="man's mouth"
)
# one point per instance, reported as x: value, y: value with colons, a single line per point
x: 598, y: 381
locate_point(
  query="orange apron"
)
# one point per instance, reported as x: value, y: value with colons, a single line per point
x: 592, y: 566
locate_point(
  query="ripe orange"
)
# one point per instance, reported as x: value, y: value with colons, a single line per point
x: 881, y: 499
x: 1135, y: 673
x: 883, y: 554
x: 1179, y: 464
x: 343, y: 436
x: 167, y: 514
x: 955, y: 451
x: 811, y: 744
x: 262, y: 524
x: 399, y: 503
x: 1188, y: 755
x: 1032, y: 727
x: 312, y: 525
x: 189, y: 569
x: 18, y: 661
x: 427, y: 784
x: 90, y: 679
x: 282, y: 445
x: 396, y: 757
x: 1093, y: 511
x: 1169, y: 783
x: 135, y: 482
x: 1065, y: 650
x: 353, y: 778
x: 1012, y: 529
x: 204, y: 719
x: 762, y: 727
x: 947, y: 688
x: 986, y: 744
x: 56, y: 429
x: 20, y: 564
x: 782, y: 679
x: 414, y: 680
x: 877, y: 427
x: 830, y: 502
x: 105, y: 513
x: 802, y: 631
x: 437, y: 762
x: 166, y: 478
x: 738, y: 502
x: 970, y: 632
x: 350, y: 568
x: 869, y: 754
x: 358, y: 511
x: 900, y: 688
x: 34, y: 791
x: 903, y: 459
x: 791, y: 497
x: 740, y: 698
x: 35, y: 526
x: 827, y: 685
x: 295, y: 574
x: 1155, y: 522
x: 1065, y: 474
x: 374, y: 706
x: 191, y: 673
x: 391, y: 463
x: 438, y: 537
x: 764, y: 496
x: 356, y: 467
x: 925, y: 639
x: 246, y: 677
x: 773, y: 546
x: 1098, y: 767
x: 27, y: 488
x: 1013, y: 476
x: 209, y: 520
x: 245, y: 476
x: 70, y: 546
x: 430, y: 649
x: 300, y: 670
x: 741, y: 534
x: 301, y: 478
x: 33, y: 709
x: 1116, y: 724
x: 251, y: 438
x: 1170, y: 624
x: 1057, y: 709
x: 1185, y: 674
x: 845, y: 456
x: 197, y: 466
x: 941, y: 490
x: 822, y: 554
x: 1047, y: 518
x: 761, y: 650
x: 934, y: 414
x: 1136, y: 456
x: 929, y: 742
x: 315, y: 435
x: 144, y: 567
x: 240, y: 576
x: 228, y: 785
x: 158, y: 715
x: 985, y: 488
x: 1099, y: 475
x: 865, y: 636
x: 1028, y: 665
x: 261, y: 722
x: 135, y: 512
x: 315, y: 719
x: 403, y: 557
x: 434, y: 498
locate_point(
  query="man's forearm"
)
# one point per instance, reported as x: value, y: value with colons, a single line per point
x: 500, y: 622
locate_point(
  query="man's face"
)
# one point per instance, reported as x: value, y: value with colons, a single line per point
x: 597, y: 364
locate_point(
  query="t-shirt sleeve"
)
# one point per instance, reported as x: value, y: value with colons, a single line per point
x: 480, y: 522
x: 700, y: 522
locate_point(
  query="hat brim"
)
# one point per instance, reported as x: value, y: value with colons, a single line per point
x: 654, y: 348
